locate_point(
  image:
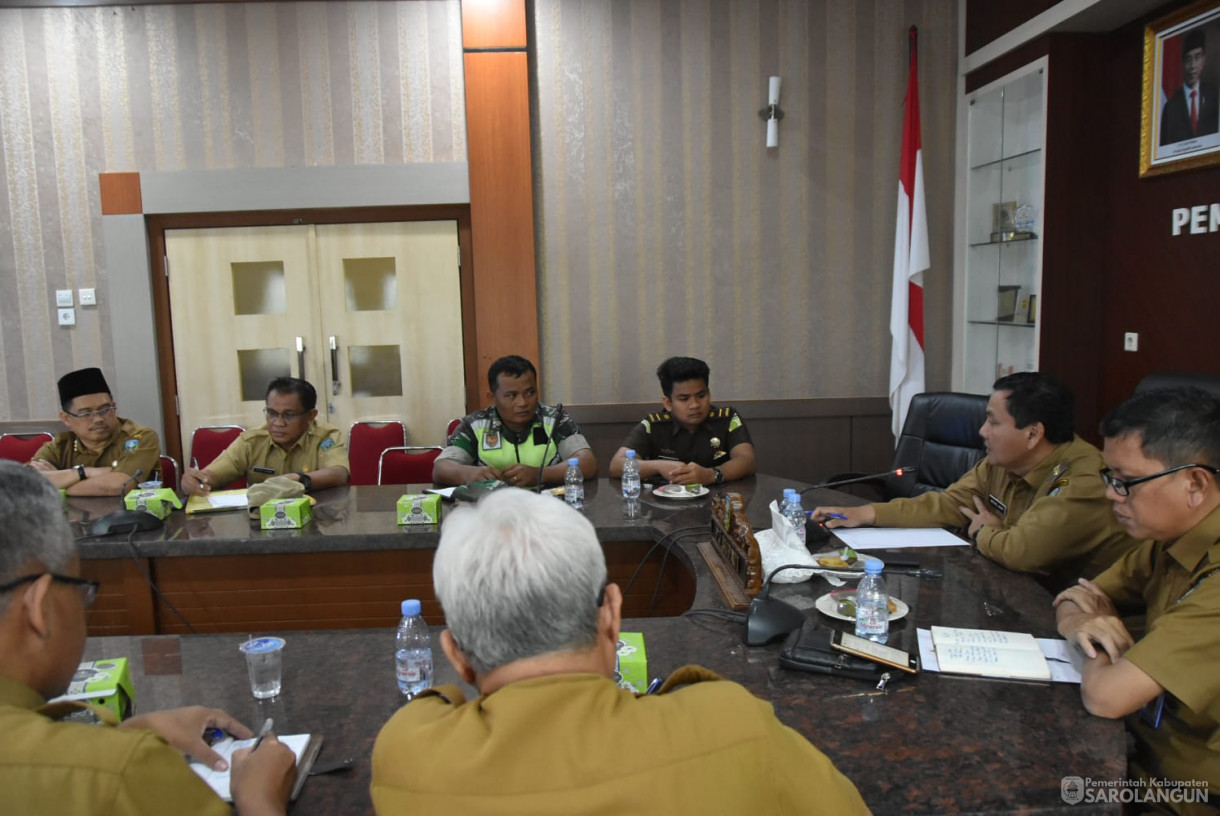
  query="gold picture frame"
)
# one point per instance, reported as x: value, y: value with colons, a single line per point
x: 1171, y: 138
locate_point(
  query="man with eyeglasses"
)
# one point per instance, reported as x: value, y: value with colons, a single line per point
x: 1034, y: 504
x: 101, y: 451
x: 291, y: 444
x: 51, y: 766
x: 1162, y: 454
x: 534, y: 626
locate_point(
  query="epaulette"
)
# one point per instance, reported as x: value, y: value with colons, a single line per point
x: 661, y: 416
x: 721, y: 413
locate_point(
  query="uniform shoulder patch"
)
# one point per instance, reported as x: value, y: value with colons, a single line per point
x: 327, y: 443
x: 130, y: 445
x: 1057, y: 486
x: 660, y: 416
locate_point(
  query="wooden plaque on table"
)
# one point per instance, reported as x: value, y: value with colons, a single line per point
x: 732, y: 554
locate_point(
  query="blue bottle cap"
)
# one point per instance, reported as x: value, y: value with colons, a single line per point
x: 410, y: 608
x: 873, y: 567
x: 630, y: 453
x: 573, y: 462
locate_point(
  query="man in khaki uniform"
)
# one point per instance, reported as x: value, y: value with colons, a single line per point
x: 291, y: 444
x: 1035, y: 504
x: 53, y: 767
x: 534, y: 626
x: 101, y: 452
x: 1162, y: 452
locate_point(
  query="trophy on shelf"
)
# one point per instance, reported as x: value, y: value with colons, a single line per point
x: 1010, y: 222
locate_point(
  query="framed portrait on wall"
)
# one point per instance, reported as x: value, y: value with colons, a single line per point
x: 1180, y: 127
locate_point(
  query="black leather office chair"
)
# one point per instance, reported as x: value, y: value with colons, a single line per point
x: 940, y: 438
x: 1169, y: 379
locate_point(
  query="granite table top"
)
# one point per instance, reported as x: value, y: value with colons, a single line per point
x: 931, y: 744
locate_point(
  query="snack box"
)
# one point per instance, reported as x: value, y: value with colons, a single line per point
x: 105, y: 683
x: 631, y: 664
x: 419, y: 508
x: 285, y: 514
x: 159, y: 502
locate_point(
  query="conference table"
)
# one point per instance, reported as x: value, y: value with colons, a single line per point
x: 931, y: 743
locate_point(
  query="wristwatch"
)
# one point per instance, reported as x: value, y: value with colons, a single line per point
x: 80, y: 471
x: 305, y: 480
x: 719, y: 475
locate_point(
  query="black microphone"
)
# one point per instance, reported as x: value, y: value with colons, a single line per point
x: 770, y: 618
x: 124, y: 520
x: 899, y: 472
x: 549, y: 440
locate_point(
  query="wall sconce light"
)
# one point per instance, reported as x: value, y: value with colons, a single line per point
x: 772, y: 113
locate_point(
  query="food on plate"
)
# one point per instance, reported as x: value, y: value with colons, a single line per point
x: 847, y: 605
x: 846, y: 559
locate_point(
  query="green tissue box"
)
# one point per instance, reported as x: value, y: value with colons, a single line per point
x: 285, y: 514
x: 631, y: 664
x: 105, y: 683
x: 159, y: 502
x: 419, y: 508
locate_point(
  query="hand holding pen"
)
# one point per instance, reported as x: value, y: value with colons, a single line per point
x: 263, y: 774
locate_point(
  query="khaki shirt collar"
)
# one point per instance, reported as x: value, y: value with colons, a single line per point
x: 1193, y: 547
x: 1041, y: 472
x: 300, y: 439
x: 18, y: 694
x: 79, y: 447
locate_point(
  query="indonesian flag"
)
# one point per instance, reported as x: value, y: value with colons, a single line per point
x: 910, y: 260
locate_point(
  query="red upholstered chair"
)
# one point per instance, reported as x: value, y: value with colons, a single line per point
x: 365, y: 442
x: 22, y: 447
x: 407, y: 465
x: 453, y: 426
x: 169, y: 472
x: 209, y: 441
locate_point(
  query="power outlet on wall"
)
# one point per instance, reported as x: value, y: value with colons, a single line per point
x: 1131, y: 341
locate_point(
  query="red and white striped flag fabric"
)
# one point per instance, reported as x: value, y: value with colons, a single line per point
x: 910, y: 260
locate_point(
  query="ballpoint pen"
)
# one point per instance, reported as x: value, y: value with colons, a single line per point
x: 262, y: 732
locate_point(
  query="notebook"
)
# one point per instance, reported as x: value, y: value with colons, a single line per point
x: 987, y: 653
x: 305, y: 746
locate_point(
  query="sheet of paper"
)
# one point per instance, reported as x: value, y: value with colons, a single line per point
x: 219, y: 780
x: 893, y: 538
x: 227, y: 501
x: 217, y: 501
x: 443, y: 492
x: 1064, y: 659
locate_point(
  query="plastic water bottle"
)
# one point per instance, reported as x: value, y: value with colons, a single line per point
x: 795, y: 514
x: 574, y: 485
x: 413, y: 651
x: 785, y: 501
x: 631, y: 477
x: 873, y: 604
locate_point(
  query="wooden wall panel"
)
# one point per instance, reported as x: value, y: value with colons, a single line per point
x: 493, y: 24
x: 120, y: 193
x: 501, y: 205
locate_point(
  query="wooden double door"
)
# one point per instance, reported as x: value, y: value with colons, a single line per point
x: 370, y: 314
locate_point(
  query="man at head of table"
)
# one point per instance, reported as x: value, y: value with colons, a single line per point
x: 1035, y: 503
x: 1162, y: 453
x: 101, y: 451
x: 534, y: 626
x: 291, y: 444
x: 515, y: 437
x: 691, y: 440
x: 51, y: 766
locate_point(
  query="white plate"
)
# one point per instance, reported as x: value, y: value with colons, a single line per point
x: 828, y: 604
x: 857, y: 568
x: 674, y: 491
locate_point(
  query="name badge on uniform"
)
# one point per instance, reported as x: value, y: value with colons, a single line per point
x: 997, y: 505
x: 491, y: 441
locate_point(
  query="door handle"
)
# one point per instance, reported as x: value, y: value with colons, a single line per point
x: 301, y: 358
x: 334, y: 365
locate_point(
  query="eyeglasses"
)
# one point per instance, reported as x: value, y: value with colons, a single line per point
x: 287, y: 416
x: 105, y: 410
x: 88, y: 589
x: 1123, y: 486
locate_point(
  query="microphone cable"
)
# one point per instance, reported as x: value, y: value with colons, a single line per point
x: 135, y: 556
x: 675, y: 534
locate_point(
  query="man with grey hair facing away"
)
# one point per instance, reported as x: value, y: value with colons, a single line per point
x: 48, y: 766
x: 534, y: 626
